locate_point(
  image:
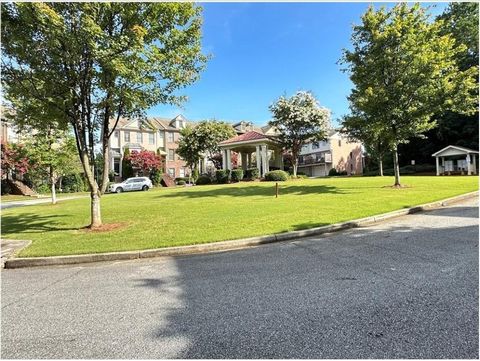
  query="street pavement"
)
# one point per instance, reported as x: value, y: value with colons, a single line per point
x: 406, y: 288
x: 33, y: 202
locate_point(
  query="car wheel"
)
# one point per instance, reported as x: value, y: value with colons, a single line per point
x: 119, y: 190
x: 145, y: 188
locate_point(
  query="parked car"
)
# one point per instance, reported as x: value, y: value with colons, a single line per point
x: 131, y: 184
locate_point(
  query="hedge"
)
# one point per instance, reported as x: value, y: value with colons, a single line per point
x: 222, y: 176
x: 276, y: 176
x: 237, y: 175
x: 252, y: 173
x: 203, y: 179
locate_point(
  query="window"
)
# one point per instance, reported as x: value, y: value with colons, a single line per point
x: 339, y: 142
x: 139, y: 137
x: 151, y: 138
x: 116, y: 166
x: 171, y: 154
x: 171, y: 172
x: 126, y: 136
x: 182, y: 172
x: 351, y: 155
x: 115, y: 134
x: 171, y: 137
x: 315, y: 145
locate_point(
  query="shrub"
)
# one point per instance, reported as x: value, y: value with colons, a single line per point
x: 276, y: 176
x: 237, y: 175
x: 72, y: 183
x: 6, y: 189
x: 343, y: 172
x: 181, y: 183
x: 252, y: 173
x: 203, y: 179
x: 156, y: 177
x: 301, y: 176
x: 43, y: 189
x: 332, y: 172
x: 222, y: 176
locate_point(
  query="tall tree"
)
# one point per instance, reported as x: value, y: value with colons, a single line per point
x: 404, y: 72
x: 84, y: 64
x: 299, y: 119
x: 189, y: 149
x: 202, y: 141
x: 54, y: 154
x: 359, y: 128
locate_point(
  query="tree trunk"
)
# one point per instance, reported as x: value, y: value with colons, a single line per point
x: 396, y: 168
x: 52, y: 180
x: 95, y: 210
x: 380, y: 166
x: 295, y: 166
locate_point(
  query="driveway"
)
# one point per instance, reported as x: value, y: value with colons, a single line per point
x: 407, y: 288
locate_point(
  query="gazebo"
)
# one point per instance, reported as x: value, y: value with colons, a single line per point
x: 455, y: 159
x: 268, y: 152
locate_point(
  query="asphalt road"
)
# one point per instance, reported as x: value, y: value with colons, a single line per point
x: 406, y: 288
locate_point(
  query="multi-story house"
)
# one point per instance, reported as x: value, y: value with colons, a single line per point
x: 155, y: 134
x: 318, y: 158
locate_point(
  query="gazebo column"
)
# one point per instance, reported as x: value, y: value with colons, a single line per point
x: 469, y: 172
x: 244, y: 161
x: 249, y: 160
x: 266, y: 165
x: 438, y: 166
x: 474, y: 164
x: 258, y: 159
x: 224, y: 159
x: 229, y: 159
x: 443, y: 165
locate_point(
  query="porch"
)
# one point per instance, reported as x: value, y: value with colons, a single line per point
x: 456, y: 160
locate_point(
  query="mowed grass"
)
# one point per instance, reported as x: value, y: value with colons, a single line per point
x: 182, y: 216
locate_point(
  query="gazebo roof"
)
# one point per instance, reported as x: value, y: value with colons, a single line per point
x: 248, y: 137
x: 454, y: 149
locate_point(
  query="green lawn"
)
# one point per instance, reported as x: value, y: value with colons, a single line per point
x: 181, y: 216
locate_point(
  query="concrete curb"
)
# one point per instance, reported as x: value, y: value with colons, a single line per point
x: 226, y: 245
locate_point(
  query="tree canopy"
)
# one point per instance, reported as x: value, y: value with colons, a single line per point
x: 298, y: 120
x: 405, y: 72
x: 89, y: 64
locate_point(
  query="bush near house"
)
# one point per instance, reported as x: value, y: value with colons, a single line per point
x: 203, y: 179
x: 222, y: 176
x: 276, y: 176
x: 252, y: 173
x: 73, y: 183
x: 237, y: 175
x: 181, y: 183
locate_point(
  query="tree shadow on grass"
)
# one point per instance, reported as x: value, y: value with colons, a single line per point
x: 33, y: 223
x: 265, y: 191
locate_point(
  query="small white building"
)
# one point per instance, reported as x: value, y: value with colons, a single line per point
x: 454, y: 159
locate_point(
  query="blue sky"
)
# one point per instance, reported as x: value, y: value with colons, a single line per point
x: 261, y: 51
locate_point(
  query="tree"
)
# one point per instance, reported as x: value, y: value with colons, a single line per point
x: 127, y: 170
x: 14, y: 160
x: 299, y: 120
x: 85, y: 64
x: 359, y: 128
x: 460, y: 20
x: 404, y: 72
x: 146, y: 161
x: 202, y: 141
x: 189, y: 149
x: 54, y: 153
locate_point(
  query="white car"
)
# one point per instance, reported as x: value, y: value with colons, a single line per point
x: 131, y: 184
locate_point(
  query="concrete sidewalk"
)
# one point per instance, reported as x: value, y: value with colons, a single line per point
x: 34, y: 202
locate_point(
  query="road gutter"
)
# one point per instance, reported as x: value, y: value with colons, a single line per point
x: 227, y: 245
